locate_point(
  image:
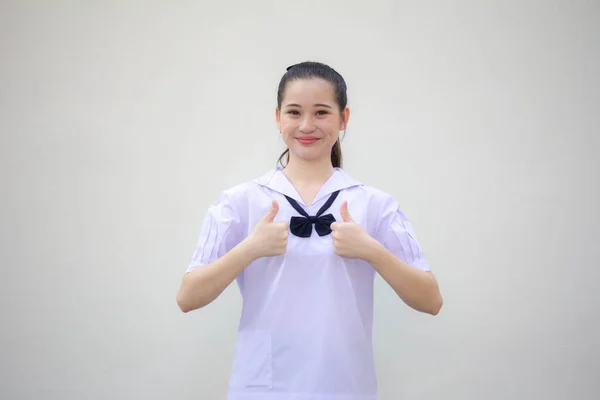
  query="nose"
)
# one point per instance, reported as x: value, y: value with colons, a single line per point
x: 307, y: 125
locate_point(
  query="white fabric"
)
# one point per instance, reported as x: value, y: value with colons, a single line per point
x: 306, y: 325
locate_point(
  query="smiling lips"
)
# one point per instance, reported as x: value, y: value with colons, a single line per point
x: 307, y: 140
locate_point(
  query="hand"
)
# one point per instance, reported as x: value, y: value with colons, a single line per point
x: 349, y: 239
x: 269, y: 238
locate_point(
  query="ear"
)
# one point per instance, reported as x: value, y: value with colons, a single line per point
x: 278, y: 118
x: 345, y: 118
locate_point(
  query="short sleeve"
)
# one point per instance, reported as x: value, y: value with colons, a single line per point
x: 220, y: 232
x: 397, y: 235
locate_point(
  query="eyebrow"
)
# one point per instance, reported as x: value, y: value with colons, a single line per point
x: 316, y: 105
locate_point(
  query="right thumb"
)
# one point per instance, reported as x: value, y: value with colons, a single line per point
x: 272, y: 212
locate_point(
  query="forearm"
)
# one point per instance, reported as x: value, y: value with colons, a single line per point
x: 203, y: 285
x: 417, y: 288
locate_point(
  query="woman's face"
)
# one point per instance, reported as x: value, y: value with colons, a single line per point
x: 309, y: 119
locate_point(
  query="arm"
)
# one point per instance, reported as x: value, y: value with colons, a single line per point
x: 418, y: 289
x: 202, y: 286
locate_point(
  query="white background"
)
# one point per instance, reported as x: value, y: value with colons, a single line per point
x: 121, y: 122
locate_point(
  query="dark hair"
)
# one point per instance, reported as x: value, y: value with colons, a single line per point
x: 308, y: 70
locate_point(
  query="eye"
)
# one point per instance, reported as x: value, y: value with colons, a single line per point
x: 293, y: 112
x: 322, y: 112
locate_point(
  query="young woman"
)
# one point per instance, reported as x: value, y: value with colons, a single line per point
x: 304, y: 243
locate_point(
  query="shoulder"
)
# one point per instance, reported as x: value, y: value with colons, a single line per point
x: 373, y: 197
x: 238, y: 192
x: 231, y: 200
x: 380, y: 204
x: 376, y: 194
x: 241, y: 194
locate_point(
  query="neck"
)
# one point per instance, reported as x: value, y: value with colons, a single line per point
x: 315, y: 171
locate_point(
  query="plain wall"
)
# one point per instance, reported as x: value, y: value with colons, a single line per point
x: 121, y: 122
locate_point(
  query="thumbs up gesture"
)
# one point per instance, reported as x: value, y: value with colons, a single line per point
x: 269, y: 238
x: 349, y: 239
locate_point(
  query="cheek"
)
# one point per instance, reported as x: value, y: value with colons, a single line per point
x: 331, y: 127
x: 285, y: 129
x: 332, y: 135
x: 288, y: 126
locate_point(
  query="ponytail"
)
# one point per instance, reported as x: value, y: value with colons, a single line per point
x: 336, y: 155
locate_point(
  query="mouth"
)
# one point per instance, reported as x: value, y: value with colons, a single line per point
x: 307, y: 140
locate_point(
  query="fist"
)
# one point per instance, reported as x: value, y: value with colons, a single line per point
x: 349, y: 239
x: 270, y: 238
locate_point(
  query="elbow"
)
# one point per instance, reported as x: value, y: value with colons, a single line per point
x: 436, y: 301
x: 187, y: 307
x: 182, y: 304
x: 187, y: 298
x: 427, y: 306
x: 184, y: 309
x: 186, y: 304
x: 436, y: 306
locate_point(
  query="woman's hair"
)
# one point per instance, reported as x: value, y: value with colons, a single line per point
x: 308, y: 70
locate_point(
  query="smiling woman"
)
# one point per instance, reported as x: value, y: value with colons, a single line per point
x: 311, y: 107
x: 306, y: 270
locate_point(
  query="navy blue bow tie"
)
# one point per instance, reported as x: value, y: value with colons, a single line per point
x: 302, y: 226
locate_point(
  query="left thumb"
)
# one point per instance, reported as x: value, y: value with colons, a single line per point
x: 344, y: 212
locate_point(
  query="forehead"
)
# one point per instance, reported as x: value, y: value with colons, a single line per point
x: 309, y: 91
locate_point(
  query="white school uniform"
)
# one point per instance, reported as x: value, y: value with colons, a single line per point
x: 306, y: 327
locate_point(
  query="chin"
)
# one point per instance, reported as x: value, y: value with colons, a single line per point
x: 309, y: 155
